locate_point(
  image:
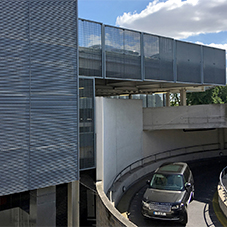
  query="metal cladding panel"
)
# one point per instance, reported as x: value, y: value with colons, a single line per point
x: 14, y: 97
x: 53, y: 142
x: 158, y: 58
x: 123, y: 55
x: 214, y: 66
x: 38, y: 94
x: 188, y: 60
x: 90, y: 51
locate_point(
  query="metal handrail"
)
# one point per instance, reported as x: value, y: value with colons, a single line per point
x: 155, y: 157
x: 222, y: 174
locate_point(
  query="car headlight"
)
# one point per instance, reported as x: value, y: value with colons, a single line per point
x: 145, y: 204
x: 177, y: 206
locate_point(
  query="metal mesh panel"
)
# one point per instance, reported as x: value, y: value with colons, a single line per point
x: 53, y: 154
x: 123, y: 57
x: 214, y: 66
x: 166, y: 58
x: 87, y: 154
x: 14, y: 96
x: 90, y: 57
x: 38, y: 94
x: 158, y: 58
x: 188, y: 62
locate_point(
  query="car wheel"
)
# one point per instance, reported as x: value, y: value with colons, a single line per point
x: 184, y: 218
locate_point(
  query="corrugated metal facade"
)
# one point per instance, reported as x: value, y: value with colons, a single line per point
x: 38, y: 94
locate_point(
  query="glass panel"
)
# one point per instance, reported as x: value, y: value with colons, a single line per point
x: 142, y: 97
x: 123, y: 58
x: 87, y: 153
x: 90, y: 53
x: 155, y: 100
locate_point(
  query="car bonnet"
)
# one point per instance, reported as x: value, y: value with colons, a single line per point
x: 163, y: 196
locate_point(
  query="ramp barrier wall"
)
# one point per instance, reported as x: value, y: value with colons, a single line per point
x: 108, y: 215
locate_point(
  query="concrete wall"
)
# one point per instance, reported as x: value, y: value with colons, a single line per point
x: 106, y: 213
x: 185, y: 117
x: 127, y: 133
x: 119, y: 128
x: 163, y: 140
x: 222, y: 199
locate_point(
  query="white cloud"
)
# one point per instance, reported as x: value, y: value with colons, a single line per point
x: 177, y: 18
x: 216, y: 45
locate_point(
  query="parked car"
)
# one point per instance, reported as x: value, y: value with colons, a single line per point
x: 170, y: 191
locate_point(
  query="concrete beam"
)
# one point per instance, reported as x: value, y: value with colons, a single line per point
x: 185, y: 117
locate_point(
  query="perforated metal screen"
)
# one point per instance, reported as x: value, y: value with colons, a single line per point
x: 123, y: 57
x: 90, y: 49
x: 188, y: 62
x: 158, y: 58
x: 116, y: 53
x: 38, y: 94
x: 214, y: 63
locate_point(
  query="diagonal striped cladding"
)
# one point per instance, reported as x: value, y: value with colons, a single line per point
x: 38, y: 94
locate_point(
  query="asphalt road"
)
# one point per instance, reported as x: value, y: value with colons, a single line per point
x: 200, y: 210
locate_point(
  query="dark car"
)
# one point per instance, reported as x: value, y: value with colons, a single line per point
x: 170, y: 191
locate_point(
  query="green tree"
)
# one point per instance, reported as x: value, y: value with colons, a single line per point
x: 215, y: 95
x: 175, y: 99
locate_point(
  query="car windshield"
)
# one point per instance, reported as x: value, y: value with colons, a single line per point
x: 172, y: 182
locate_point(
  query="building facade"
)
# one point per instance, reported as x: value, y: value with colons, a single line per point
x: 39, y: 104
x: 52, y: 66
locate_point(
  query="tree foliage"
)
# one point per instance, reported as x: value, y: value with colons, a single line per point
x: 175, y: 99
x: 215, y: 95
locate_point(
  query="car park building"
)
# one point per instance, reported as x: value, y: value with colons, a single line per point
x: 55, y: 71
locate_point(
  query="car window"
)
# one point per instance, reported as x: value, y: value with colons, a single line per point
x: 173, y: 182
x: 187, y: 174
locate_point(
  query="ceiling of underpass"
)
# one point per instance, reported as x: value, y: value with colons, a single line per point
x: 104, y: 87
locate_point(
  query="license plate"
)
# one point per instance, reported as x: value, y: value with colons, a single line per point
x: 159, y: 213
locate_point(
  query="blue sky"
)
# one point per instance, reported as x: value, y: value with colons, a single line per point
x: 197, y: 21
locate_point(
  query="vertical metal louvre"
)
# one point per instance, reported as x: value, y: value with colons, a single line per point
x: 90, y: 49
x: 123, y: 55
x: 38, y: 94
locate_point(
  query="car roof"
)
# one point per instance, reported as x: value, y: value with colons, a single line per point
x: 174, y: 167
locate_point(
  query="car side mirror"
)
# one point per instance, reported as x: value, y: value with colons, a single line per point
x: 148, y: 182
x: 187, y: 185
